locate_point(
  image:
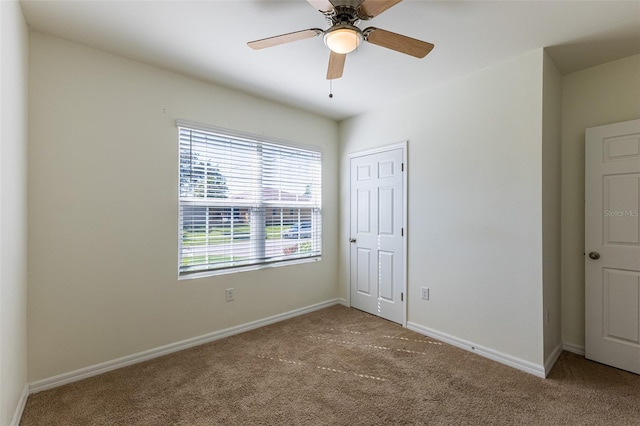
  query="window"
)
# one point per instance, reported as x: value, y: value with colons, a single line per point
x: 245, y: 201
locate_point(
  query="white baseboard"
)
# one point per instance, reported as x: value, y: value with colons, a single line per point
x: 517, y: 363
x: 343, y: 302
x: 570, y: 347
x: 17, y: 415
x: 553, y: 358
x: 94, y: 370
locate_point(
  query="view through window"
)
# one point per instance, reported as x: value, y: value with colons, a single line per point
x: 245, y: 201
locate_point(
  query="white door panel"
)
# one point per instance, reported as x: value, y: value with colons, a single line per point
x: 363, y: 269
x: 377, y: 245
x: 612, y: 245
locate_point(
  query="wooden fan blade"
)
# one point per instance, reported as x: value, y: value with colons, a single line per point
x: 373, y: 8
x: 284, y: 38
x: 336, y: 65
x: 323, y: 6
x: 397, y: 42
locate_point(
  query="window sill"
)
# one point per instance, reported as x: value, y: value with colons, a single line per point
x: 227, y: 271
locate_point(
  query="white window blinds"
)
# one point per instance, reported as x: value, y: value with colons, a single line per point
x: 245, y: 201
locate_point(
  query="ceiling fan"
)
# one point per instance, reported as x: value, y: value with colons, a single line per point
x: 344, y: 36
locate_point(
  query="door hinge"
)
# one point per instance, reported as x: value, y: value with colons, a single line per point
x: 402, y: 297
x: 402, y: 167
x: 402, y: 232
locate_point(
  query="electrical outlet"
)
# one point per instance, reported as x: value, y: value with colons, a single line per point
x: 230, y: 294
x: 425, y: 293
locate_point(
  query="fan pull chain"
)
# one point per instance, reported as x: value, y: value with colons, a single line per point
x: 330, y: 89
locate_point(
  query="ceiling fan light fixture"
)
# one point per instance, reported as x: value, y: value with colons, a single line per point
x: 344, y: 36
x: 343, y: 39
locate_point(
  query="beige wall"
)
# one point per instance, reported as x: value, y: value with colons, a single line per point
x: 551, y: 203
x: 13, y: 208
x: 604, y: 94
x: 475, y: 195
x: 103, y: 248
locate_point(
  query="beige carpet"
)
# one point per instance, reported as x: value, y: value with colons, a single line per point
x: 339, y: 366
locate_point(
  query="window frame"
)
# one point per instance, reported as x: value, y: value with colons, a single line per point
x: 266, y: 205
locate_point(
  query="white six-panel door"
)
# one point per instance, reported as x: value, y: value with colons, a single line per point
x: 612, y: 245
x: 376, y: 238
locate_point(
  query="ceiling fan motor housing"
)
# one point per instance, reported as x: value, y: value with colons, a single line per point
x: 345, y: 14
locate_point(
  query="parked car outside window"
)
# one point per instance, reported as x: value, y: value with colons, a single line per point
x: 298, y: 231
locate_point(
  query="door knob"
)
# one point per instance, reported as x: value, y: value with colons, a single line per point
x: 594, y: 255
x: 352, y: 240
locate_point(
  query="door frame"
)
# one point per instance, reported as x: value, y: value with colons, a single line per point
x: 377, y: 150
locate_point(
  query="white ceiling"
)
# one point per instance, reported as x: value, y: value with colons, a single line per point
x: 207, y: 40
